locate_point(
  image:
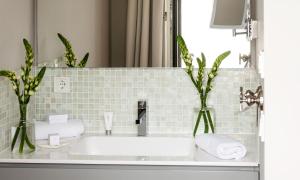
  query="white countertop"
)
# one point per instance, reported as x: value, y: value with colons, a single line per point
x: 198, y: 158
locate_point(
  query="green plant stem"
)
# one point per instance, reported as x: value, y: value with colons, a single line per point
x: 22, y: 125
x: 23, y: 113
x: 30, y: 145
x: 208, y: 87
x: 15, y: 138
x: 210, y: 121
x: 23, y: 134
x: 193, y: 80
x: 206, y: 127
x: 197, y: 122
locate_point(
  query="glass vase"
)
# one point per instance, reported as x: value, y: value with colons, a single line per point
x: 205, y: 120
x: 23, y: 136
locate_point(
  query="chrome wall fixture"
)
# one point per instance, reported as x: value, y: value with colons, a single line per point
x: 251, y: 27
x: 244, y: 58
x: 251, y: 98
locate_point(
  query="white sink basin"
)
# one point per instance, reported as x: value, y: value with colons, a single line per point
x: 133, y: 146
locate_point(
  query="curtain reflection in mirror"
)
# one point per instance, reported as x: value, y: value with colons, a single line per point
x: 145, y: 34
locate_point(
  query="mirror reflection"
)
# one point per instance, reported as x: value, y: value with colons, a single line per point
x: 132, y: 33
x: 116, y: 33
x: 200, y: 37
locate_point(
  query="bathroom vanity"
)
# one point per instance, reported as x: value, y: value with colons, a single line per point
x: 171, y: 116
x: 118, y: 172
x: 72, y: 163
x: 87, y: 94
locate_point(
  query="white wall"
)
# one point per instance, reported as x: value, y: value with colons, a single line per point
x: 260, y: 19
x: 16, y: 23
x: 84, y: 22
x: 282, y: 88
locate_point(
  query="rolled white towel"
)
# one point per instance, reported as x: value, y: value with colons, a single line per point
x: 222, y: 147
x: 73, y: 128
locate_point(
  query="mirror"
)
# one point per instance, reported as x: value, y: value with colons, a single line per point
x: 116, y: 33
x: 230, y: 14
x: 132, y: 33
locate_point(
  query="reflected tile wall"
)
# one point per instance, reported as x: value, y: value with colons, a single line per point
x: 172, y: 99
x: 9, y: 112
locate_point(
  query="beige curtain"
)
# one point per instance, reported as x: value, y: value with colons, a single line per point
x: 145, y: 34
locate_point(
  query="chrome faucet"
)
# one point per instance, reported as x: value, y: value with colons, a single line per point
x: 142, y: 119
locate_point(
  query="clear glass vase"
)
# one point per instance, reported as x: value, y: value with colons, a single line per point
x: 23, y: 135
x: 205, y: 120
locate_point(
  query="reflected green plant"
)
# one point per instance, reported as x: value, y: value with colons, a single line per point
x: 198, y: 82
x: 71, y: 60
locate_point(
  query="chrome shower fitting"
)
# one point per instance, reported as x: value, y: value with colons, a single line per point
x: 245, y: 59
x: 251, y: 98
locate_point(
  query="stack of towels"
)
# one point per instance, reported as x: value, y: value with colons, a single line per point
x: 220, y: 146
x: 58, y: 124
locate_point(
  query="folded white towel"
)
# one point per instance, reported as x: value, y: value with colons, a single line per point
x: 73, y: 128
x: 222, y: 147
x: 57, y: 119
